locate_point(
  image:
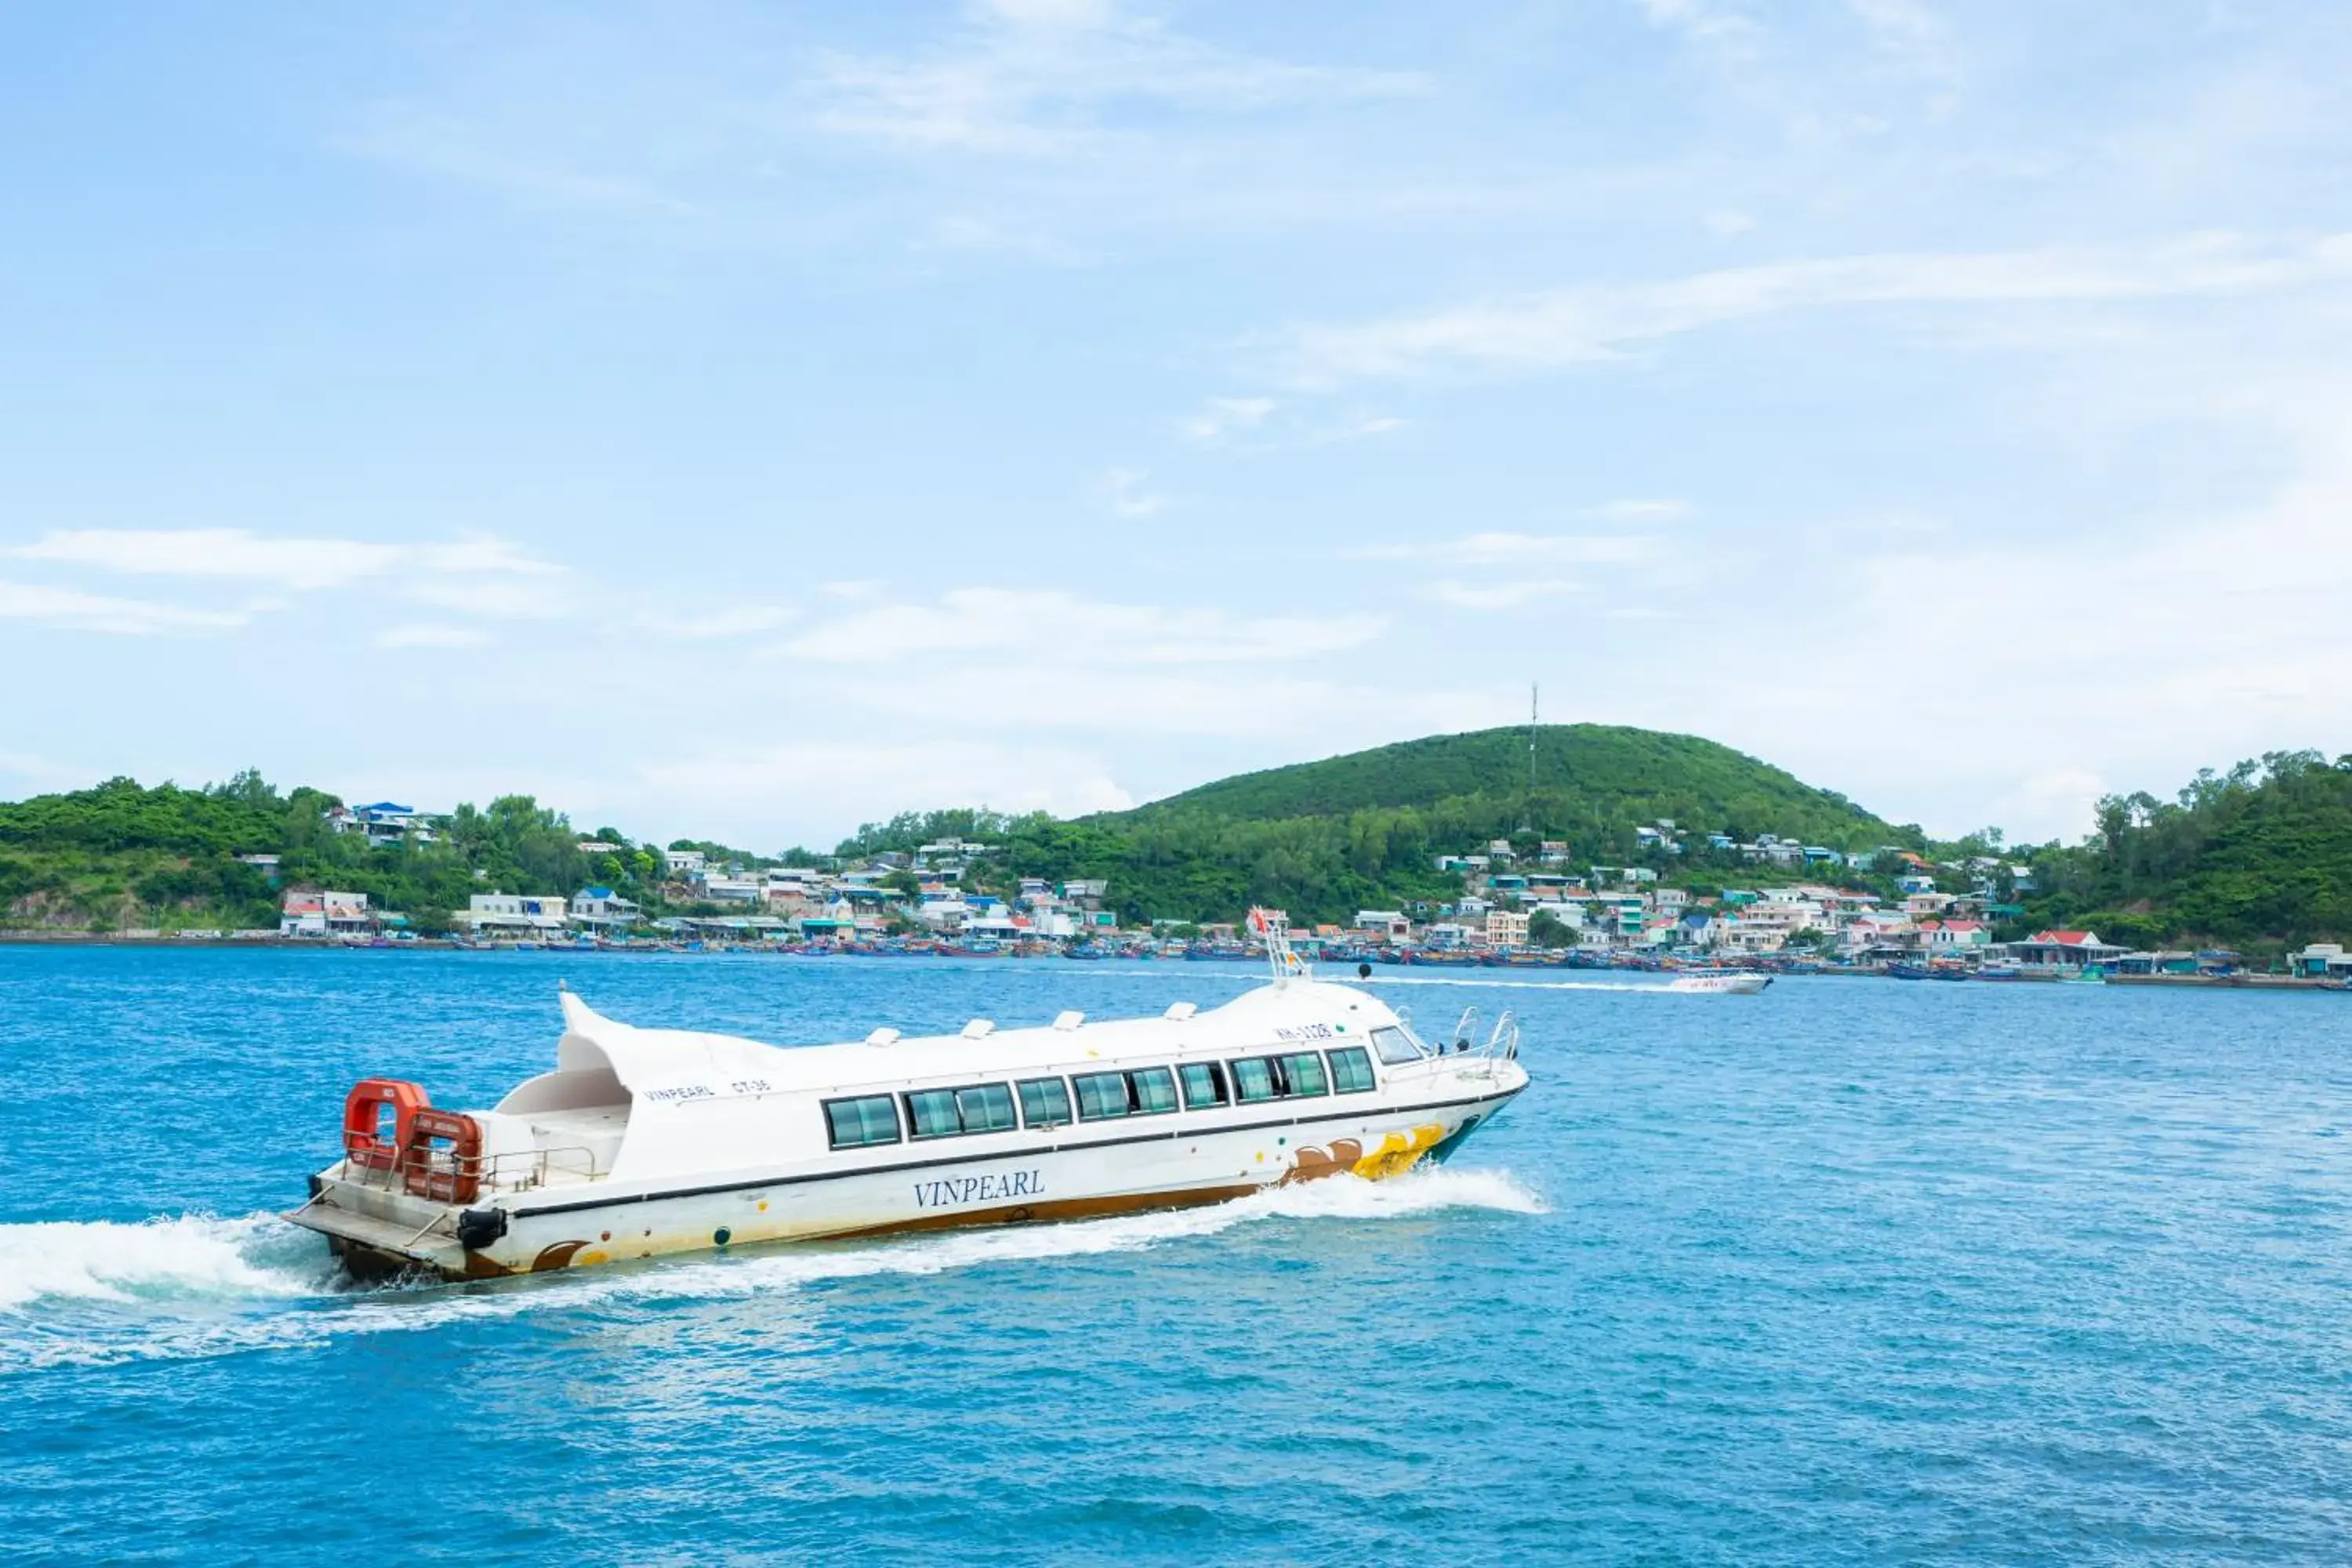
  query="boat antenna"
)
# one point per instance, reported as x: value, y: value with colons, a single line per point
x: 1275, y: 926
x: 1527, y: 815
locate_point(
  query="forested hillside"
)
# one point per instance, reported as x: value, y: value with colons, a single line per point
x: 122, y: 855
x: 2258, y: 856
x: 1587, y: 779
x: 1325, y: 839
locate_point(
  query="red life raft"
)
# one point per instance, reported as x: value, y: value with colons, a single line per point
x: 450, y: 1176
x: 364, y: 1143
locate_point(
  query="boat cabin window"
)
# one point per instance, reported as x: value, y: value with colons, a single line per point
x: 1204, y: 1085
x: 932, y: 1112
x: 869, y: 1119
x: 945, y: 1112
x: 986, y: 1108
x: 1351, y: 1070
x: 1254, y: 1081
x: 1152, y: 1091
x: 1102, y: 1096
x: 1045, y: 1102
x: 1303, y: 1074
x: 1293, y: 1075
x: 1398, y: 1045
x: 1107, y: 1096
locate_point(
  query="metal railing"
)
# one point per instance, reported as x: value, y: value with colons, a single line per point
x: 514, y: 1170
x: 1502, y: 1043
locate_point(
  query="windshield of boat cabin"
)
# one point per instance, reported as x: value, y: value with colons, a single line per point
x: 1399, y: 1044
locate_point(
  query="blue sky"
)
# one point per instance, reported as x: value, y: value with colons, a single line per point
x: 749, y: 420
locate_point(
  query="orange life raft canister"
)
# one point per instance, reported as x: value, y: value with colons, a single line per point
x: 454, y: 1177
x: 363, y: 1140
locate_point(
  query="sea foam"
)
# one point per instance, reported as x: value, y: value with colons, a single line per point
x: 99, y: 1293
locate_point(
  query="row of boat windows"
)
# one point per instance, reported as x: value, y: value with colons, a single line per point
x: 1045, y: 1102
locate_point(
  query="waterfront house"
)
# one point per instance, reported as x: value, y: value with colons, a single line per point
x: 303, y: 913
x: 1384, y: 925
x: 2064, y: 948
x: 2322, y: 960
x: 386, y: 822
x: 516, y: 914
x: 1944, y: 938
x: 1505, y: 929
x: 602, y: 907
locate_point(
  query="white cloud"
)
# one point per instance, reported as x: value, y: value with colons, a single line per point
x: 1029, y: 80
x: 1031, y: 622
x: 428, y: 635
x: 1356, y: 430
x: 728, y: 621
x: 529, y: 599
x: 1519, y: 549
x: 1121, y: 493
x: 860, y: 781
x: 1600, y: 322
x: 292, y: 563
x: 1898, y: 25
x: 423, y: 142
x: 1220, y: 416
x: 1501, y: 596
x: 1641, y: 509
x: 1718, y: 30
x: 69, y: 610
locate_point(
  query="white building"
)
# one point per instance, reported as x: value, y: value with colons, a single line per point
x: 516, y: 914
x: 603, y: 907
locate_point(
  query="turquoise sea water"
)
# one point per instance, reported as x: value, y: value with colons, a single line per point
x: 1850, y: 1272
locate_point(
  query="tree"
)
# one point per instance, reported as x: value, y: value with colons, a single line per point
x: 1545, y: 928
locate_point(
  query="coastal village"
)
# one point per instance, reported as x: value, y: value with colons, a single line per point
x: 1515, y: 910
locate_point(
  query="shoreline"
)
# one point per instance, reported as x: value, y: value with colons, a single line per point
x: 273, y: 944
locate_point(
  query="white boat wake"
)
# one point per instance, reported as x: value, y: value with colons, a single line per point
x: 99, y: 1293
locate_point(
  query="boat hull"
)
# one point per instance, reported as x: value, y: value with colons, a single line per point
x: 1081, y: 1172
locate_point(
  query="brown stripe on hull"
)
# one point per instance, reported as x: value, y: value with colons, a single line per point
x: 1057, y: 1209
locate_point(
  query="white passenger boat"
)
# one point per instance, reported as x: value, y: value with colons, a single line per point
x: 645, y: 1142
x: 1726, y: 981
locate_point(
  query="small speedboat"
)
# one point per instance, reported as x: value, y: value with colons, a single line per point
x: 1726, y: 981
x: 647, y: 1140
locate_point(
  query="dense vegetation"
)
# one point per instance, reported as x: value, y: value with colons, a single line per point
x: 2257, y: 859
x: 1362, y: 831
x: 1591, y: 782
x: 121, y: 855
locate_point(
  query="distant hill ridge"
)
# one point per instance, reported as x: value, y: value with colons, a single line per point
x: 1585, y: 775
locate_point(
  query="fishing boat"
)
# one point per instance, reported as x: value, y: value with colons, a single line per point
x: 1719, y: 982
x: 644, y: 1142
x: 1907, y: 971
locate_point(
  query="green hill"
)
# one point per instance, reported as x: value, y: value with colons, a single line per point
x: 1586, y: 777
x: 2258, y: 858
x: 1364, y: 831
